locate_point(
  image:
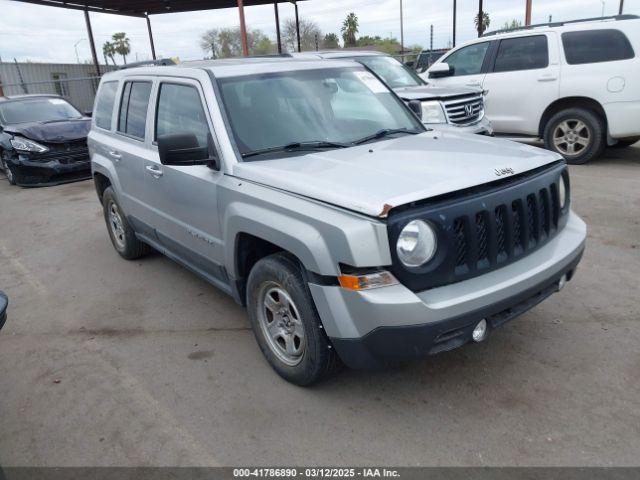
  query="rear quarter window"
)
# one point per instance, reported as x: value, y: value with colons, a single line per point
x: 595, y: 46
x: 104, y: 105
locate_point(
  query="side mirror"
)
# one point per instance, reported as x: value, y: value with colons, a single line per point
x: 3, y: 309
x: 183, y: 149
x: 88, y: 113
x: 440, y: 70
x: 416, y: 108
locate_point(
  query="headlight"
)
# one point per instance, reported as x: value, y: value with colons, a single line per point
x: 416, y: 244
x: 432, y: 112
x: 562, y: 192
x: 24, y: 145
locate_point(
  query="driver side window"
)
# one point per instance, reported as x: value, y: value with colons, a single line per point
x: 467, y: 60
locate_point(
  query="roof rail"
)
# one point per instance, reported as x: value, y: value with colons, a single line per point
x: 559, y: 24
x: 163, y: 62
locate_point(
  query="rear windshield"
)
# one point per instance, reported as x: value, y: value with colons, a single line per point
x: 37, y: 110
x: 595, y: 46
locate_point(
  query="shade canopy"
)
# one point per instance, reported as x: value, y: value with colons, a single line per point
x: 140, y: 8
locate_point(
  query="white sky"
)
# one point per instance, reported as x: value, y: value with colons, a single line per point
x: 48, y: 34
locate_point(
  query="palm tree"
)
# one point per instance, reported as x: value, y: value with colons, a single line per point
x: 486, y: 21
x: 349, y: 30
x: 108, y: 50
x: 121, y: 45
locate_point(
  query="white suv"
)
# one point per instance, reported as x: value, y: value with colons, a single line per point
x: 574, y: 84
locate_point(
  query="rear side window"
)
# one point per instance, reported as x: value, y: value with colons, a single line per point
x: 104, y: 105
x: 133, y: 108
x: 180, y: 111
x: 595, y: 46
x: 523, y: 53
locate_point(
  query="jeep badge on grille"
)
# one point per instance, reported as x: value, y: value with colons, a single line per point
x: 504, y: 171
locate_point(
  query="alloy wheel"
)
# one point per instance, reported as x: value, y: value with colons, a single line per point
x: 572, y: 137
x: 281, y: 324
x: 116, y: 225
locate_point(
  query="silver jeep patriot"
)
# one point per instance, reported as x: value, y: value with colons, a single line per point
x: 315, y: 196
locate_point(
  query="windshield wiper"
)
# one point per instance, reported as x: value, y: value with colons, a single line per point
x: 385, y: 133
x: 297, y: 146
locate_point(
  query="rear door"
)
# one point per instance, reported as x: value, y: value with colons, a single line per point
x: 522, y: 80
x: 467, y: 64
x: 128, y: 147
x: 185, y: 198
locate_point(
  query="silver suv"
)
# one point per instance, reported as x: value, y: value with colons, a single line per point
x: 314, y: 196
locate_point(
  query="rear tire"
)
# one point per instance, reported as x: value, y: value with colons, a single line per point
x: 285, y: 321
x: 122, y: 236
x: 577, y: 134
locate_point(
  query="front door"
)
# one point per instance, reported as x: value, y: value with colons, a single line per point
x: 185, y: 198
x: 466, y: 67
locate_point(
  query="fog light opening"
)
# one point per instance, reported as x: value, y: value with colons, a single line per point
x: 562, y: 282
x: 480, y: 331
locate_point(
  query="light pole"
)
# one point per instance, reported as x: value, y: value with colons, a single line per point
x: 401, y: 32
x: 621, y: 7
x: 75, y: 46
x: 603, y: 4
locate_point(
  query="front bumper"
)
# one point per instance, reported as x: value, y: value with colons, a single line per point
x: 483, y: 127
x: 30, y: 173
x: 379, y: 326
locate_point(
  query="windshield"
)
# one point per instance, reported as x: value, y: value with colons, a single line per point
x: 37, y: 110
x: 394, y: 73
x: 319, y: 108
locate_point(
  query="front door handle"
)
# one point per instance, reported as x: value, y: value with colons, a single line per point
x: 473, y: 84
x: 115, y: 155
x: 153, y: 170
x: 547, y: 78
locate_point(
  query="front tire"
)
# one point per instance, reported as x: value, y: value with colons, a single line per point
x: 122, y: 236
x: 577, y: 134
x: 285, y: 321
x: 7, y: 171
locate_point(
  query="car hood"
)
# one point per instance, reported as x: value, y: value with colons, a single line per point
x: 433, y: 93
x: 54, y: 132
x: 373, y: 178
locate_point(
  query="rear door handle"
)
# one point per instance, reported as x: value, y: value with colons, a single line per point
x: 115, y: 155
x: 153, y: 170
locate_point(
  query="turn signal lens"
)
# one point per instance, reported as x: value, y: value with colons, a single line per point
x: 367, y: 281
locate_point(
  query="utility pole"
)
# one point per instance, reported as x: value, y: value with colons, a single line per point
x: 275, y: 8
x: 454, y: 22
x: 603, y: 4
x: 401, y: 32
x: 480, y: 15
x: 527, y: 15
x: 295, y: 4
x: 243, y: 29
x: 621, y: 7
x: 431, y: 39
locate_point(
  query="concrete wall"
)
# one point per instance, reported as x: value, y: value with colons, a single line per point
x: 42, y: 78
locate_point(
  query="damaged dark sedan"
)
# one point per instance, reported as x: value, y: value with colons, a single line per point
x: 43, y: 140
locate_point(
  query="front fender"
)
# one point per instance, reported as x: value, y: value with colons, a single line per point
x: 319, y: 235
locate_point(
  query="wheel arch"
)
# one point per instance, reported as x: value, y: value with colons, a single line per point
x: 570, y: 102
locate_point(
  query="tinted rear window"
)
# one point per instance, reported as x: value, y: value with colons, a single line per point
x: 524, y: 53
x: 133, y: 109
x: 104, y: 105
x: 594, y: 46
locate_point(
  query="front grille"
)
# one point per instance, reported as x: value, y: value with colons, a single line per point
x: 496, y: 235
x: 465, y: 110
x: 65, y: 153
x: 484, y: 230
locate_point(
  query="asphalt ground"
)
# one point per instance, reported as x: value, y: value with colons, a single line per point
x: 105, y: 362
